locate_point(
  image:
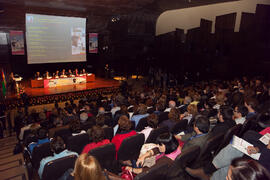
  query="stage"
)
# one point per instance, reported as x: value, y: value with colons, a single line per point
x: 98, y: 83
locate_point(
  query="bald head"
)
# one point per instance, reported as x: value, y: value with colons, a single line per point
x: 172, y: 104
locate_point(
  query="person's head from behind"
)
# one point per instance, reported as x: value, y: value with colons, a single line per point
x: 159, y: 107
x: 101, y: 110
x: 174, y: 115
x: 246, y: 169
x: 201, y: 125
x: 168, y: 140
x: 240, y: 111
x: 97, y: 134
x: 42, y: 133
x: 251, y: 104
x: 152, y: 121
x: 75, y: 126
x: 192, y: 109
x: 124, y: 123
x: 142, y: 109
x: 172, y: 104
x: 57, y: 145
x: 100, y: 120
x: 87, y: 168
x: 187, y: 100
x: 225, y: 114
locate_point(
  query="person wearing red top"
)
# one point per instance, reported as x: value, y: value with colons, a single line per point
x: 97, y: 135
x: 125, y: 132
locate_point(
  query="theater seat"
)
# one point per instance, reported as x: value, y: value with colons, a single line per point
x: 206, y: 153
x: 108, y: 133
x: 56, y: 168
x: 106, y: 157
x: 180, y: 126
x: 155, y: 133
x: 187, y: 157
x: 39, y: 152
x: 77, y: 143
x: 130, y: 148
x: 158, y: 171
x: 141, y: 124
x: 228, y: 136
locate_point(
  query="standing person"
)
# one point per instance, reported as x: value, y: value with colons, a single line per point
x: 11, y: 83
x: 107, y: 71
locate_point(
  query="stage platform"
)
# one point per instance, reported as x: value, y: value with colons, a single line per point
x: 98, y: 83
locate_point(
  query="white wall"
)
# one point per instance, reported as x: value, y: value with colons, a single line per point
x: 189, y: 18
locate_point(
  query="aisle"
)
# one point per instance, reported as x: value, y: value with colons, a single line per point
x: 11, y: 166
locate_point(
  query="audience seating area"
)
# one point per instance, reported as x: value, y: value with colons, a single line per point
x: 194, y: 157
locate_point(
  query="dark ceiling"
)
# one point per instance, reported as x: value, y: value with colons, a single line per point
x: 98, y: 12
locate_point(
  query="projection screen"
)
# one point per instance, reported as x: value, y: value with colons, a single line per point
x: 55, y: 39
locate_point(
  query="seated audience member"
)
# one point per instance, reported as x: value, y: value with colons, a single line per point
x: 98, y: 137
x: 86, y: 168
x: 172, y: 104
x: 167, y: 146
x: 220, y: 100
x: 152, y: 121
x: 100, y: 121
x: 142, y: 113
x: 239, y: 114
x: 69, y: 116
x: 42, y: 135
x: 251, y: 104
x: 58, y: 147
x: 225, y: 121
x: 183, y: 107
x: 192, y: 111
x: 159, y: 108
x: 125, y: 132
x: 247, y: 169
x: 101, y: 111
x: 173, y: 119
x: 115, y: 108
x: 123, y: 111
x: 219, y: 166
x: 199, y: 135
x: 32, y: 126
x: 75, y: 128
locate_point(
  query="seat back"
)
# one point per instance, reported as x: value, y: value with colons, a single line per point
x: 155, y: 133
x: 249, y: 124
x: 211, y: 145
x: 228, y: 136
x: 180, y: 126
x: 106, y: 157
x: 63, y: 133
x: 77, y: 143
x: 158, y: 171
x: 56, y: 168
x: 162, y: 117
x: 187, y: 156
x: 130, y: 147
x: 39, y: 152
x: 108, y: 133
x: 142, y: 124
x: 108, y: 119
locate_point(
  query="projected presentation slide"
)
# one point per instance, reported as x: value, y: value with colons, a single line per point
x: 55, y: 39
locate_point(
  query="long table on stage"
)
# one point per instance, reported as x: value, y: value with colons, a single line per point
x: 62, y: 81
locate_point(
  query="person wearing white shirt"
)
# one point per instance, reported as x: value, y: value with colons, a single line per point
x: 172, y: 104
x: 152, y: 121
x: 239, y: 114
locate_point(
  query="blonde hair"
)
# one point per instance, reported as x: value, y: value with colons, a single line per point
x: 87, y: 168
x: 192, y: 109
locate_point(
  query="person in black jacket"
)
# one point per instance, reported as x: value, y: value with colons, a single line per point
x: 225, y: 121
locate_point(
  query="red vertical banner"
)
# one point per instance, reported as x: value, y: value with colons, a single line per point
x: 93, y: 42
x: 17, y: 42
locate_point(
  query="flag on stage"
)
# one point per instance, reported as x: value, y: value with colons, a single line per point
x: 3, y: 83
